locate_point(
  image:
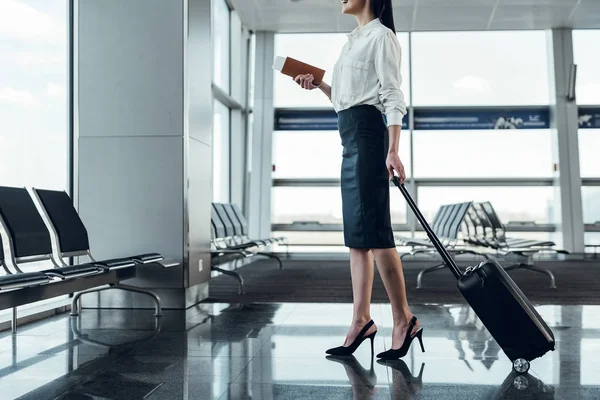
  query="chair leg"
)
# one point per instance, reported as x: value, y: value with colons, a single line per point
x: 426, y: 271
x: 235, y: 275
x: 75, y: 301
x: 76, y: 305
x: 157, y: 303
x: 535, y: 269
x: 273, y: 256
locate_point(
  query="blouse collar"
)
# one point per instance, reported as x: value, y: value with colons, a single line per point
x: 358, y: 31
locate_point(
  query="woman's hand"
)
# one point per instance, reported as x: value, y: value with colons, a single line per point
x: 393, y: 163
x: 306, y: 81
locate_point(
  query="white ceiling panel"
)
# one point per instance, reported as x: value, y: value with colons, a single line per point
x: 423, y: 15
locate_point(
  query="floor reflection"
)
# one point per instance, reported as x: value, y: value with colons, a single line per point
x: 276, y: 351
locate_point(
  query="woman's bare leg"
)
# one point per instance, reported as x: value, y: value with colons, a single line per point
x: 390, y: 269
x: 362, y: 270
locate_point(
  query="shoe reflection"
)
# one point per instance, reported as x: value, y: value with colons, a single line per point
x: 404, y: 384
x: 363, y: 380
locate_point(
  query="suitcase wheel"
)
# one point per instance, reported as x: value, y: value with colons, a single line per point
x: 521, y: 365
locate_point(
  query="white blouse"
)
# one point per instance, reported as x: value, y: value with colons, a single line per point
x: 368, y: 72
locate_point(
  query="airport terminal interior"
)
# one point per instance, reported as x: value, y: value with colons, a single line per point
x: 171, y: 215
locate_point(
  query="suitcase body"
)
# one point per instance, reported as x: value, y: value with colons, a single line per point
x: 501, y: 306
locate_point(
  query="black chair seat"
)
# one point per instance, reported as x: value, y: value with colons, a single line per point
x: 74, y: 270
x: 147, y: 258
x: 23, y: 280
x: 117, y: 263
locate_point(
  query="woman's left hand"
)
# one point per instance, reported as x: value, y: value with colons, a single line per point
x: 393, y: 163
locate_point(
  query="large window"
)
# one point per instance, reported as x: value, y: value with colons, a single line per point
x: 481, y: 130
x: 221, y: 44
x: 33, y: 93
x: 479, y: 68
x: 483, y: 154
x: 588, y: 94
x: 221, y: 159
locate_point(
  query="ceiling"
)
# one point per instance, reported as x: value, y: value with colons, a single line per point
x: 422, y: 15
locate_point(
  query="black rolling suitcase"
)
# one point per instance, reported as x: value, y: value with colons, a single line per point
x: 498, y: 302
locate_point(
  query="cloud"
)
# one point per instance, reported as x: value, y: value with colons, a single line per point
x: 25, y: 22
x: 472, y: 83
x: 55, y: 91
x: 16, y: 97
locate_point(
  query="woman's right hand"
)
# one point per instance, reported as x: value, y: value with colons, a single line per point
x: 306, y: 81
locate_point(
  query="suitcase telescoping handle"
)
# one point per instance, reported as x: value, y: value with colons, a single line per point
x: 448, y: 260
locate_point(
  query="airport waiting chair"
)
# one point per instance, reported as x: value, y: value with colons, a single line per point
x: 29, y: 240
x: 522, y: 247
x: 228, y: 244
x: 240, y: 227
x: 237, y: 212
x: 499, y: 231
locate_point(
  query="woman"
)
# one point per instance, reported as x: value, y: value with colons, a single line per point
x: 366, y: 85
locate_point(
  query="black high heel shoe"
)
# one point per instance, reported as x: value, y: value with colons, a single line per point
x: 347, y: 351
x: 393, y: 354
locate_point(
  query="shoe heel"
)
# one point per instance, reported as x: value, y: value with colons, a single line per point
x: 419, y: 336
x: 372, y: 337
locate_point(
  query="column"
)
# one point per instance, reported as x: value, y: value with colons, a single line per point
x: 260, y: 176
x: 564, y: 125
x: 143, y: 113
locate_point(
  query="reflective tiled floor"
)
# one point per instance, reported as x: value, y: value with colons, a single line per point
x: 267, y: 351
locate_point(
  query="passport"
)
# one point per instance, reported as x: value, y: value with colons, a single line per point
x: 291, y: 67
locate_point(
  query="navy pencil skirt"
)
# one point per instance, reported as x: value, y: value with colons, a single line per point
x: 365, y: 179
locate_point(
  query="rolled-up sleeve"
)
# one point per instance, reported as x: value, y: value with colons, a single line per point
x: 387, y: 67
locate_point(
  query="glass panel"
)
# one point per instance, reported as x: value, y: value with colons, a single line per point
x: 589, y: 143
x: 511, y: 203
x: 588, y: 65
x: 34, y: 136
x: 592, y: 238
x: 33, y: 94
x: 319, y: 204
x: 486, y: 153
x: 291, y: 149
x: 220, y: 152
x: 321, y: 50
x: 480, y: 68
x: 590, y: 198
x: 221, y: 34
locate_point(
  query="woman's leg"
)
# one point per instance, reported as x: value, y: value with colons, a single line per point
x: 390, y: 269
x: 362, y: 270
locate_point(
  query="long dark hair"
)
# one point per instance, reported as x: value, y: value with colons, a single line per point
x: 383, y: 10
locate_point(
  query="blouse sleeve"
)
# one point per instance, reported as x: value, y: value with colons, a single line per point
x: 387, y: 67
